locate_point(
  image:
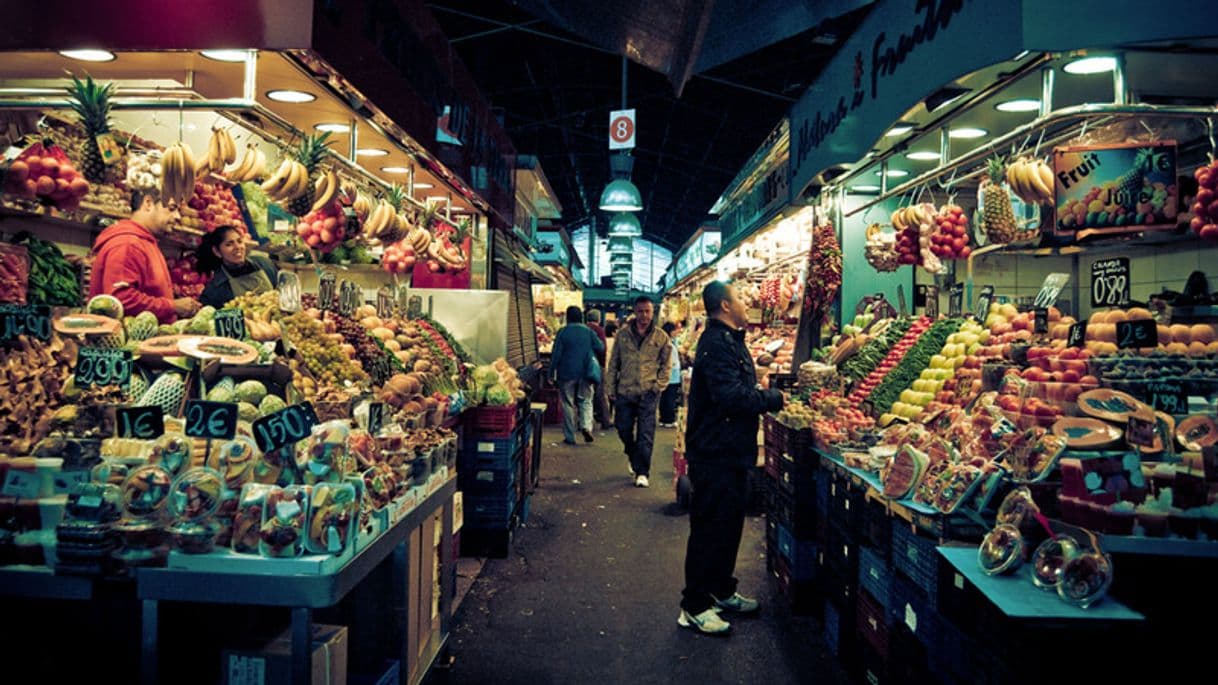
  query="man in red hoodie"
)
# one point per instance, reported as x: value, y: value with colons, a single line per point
x: 128, y: 263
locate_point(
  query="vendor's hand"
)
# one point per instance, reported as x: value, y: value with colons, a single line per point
x: 185, y: 307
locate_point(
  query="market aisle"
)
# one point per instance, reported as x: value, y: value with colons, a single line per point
x: 589, y: 592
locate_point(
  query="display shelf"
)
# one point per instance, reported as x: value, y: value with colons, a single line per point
x: 179, y: 237
x: 1016, y: 596
x: 1164, y: 547
x: 40, y: 582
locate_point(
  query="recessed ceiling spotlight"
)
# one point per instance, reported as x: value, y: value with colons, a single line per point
x: 89, y: 55
x: 895, y: 173
x: 1018, y: 105
x: 395, y: 170
x: 898, y: 130
x: 225, y: 55
x: 923, y: 156
x: 1091, y: 65
x: 967, y: 132
x: 371, y: 152
x: 423, y: 186
x: 866, y: 188
x: 293, y: 96
x: 333, y: 128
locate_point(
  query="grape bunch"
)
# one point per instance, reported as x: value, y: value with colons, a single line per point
x: 323, y: 355
x: 370, y: 355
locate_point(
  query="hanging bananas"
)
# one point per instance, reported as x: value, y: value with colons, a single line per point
x: 1031, y: 180
x: 178, y: 173
x: 290, y: 181
x: 326, y: 190
x: 252, y: 165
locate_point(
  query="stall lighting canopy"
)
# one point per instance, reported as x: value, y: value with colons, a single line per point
x: 623, y: 224
x: 922, y: 156
x: 225, y: 55
x: 1091, y: 65
x: 89, y: 55
x: 371, y: 152
x: 290, y: 96
x: 1019, y: 105
x: 621, y: 196
x: 967, y: 133
x: 333, y: 128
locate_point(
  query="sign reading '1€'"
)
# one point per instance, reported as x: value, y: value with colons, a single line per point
x: 141, y: 423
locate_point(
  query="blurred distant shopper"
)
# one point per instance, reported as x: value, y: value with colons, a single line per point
x: 672, y: 393
x: 638, y: 372
x: 574, y: 368
x: 600, y: 407
x: 725, y: 403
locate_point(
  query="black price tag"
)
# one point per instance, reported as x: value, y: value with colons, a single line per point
x: 930, y: 301
x: 351, y: 226
x: 230, y: 323
x: 955, y: 300
x: 1167, y: 396
x: 349, y: 296
x: 141, y: 423
x: 1051, y: 289
x: 1110, y: 282
x: 33, y: 320
x: 1040, y: 320
x: 384, y: 302
x: 984, y: 300
x: 284, y: 427
x: 1078, y: 335
x: 211, y: 420
x: 325, y: 291
x: 1140, y: 432
x: 376, y: 417
x: 1140, y: 333
x: 901, y: 308
x: 102, y: 366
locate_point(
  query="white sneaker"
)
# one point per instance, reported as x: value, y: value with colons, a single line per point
x: 707, y: 622
x: 738, y: 603
x: 641, y: 482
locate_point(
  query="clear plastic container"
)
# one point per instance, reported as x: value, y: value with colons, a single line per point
x: 326, y: 448
x: 172, y: 452
x: 333, y: 510
x: 193, y: 502
x: 282, y: 533
x: 247, y: 521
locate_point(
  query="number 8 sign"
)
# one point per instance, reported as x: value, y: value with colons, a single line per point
x: 621, y: 129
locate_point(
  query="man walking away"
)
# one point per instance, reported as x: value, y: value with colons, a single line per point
x: 672, y: 393
x: 638, y: 373
x: 600, y: 407
x: 721, y: 446
x: 573, y: 367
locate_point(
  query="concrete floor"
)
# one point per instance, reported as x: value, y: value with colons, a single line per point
x: 590, y: 590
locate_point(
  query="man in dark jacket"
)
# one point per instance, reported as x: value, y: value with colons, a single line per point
x: 600, y: 407
x: 573, y: 368
x: 721, y: 446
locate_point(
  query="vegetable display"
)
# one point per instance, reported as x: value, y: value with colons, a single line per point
x: 912, y: 364
x: 53, y: 279
x: 869, y: 357
x: 898, y: 349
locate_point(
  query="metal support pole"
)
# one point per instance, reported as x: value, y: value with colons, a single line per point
x: 1120, y: 84
x: 249, y: 84
x: 410, y: 181
x: 148, y: 643
x: 1048, y: 77
x: 624, y: 81
x: 353, y: 139
x: 883, y: 177
x: 945, y: 145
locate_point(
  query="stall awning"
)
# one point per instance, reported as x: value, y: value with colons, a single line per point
x: 508, y: 252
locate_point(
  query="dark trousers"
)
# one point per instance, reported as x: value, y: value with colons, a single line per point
x: 600, y: 406
x: 716, y: 523
x: 635, y: 419
x: 668, y: 403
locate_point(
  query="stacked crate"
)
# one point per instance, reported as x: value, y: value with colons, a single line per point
x: 492, y: 475
x: 793, y: 545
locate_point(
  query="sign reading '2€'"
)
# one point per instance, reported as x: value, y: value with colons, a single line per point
x: 211, y: 420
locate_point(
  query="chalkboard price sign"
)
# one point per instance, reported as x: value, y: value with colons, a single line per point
x: 930, y: 294
x: 1040, y: 320
x: 211, y: 420
x: 955, y: 300
x: 1051, y: 289
x: 1078, y: 334
x: 141, y: 423
x: 1110, y: 282
x: 102, y: 366
x: 1140, y: 333
x: 284, y: 427
x: 1168, y: 397
x: 376, y: 417
x: 1140, y: 432
x: 33, y: 320
x: 230, y: 323
x: 984, y: 300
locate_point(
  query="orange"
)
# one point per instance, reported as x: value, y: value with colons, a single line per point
x: 1180, y: 332
x: 1212, y: 348
x: 1165, y: 335
x: 1116, y: 316
x: 1138, y: 313
x: 1203, y: 332
x: 1198, y: 349
x: 1176, y: 348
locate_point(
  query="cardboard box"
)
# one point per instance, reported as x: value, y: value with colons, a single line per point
x: 272, y: 664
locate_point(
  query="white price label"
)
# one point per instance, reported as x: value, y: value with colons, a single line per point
x: 959, y: 582
x: 911, y: 618
x: 21, y: 484
x: 486, y: 447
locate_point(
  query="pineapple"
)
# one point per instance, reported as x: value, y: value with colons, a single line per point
x: 310, y: 153
x: 91, y: 103
x: 1129, y: 185
x: 998, y: 216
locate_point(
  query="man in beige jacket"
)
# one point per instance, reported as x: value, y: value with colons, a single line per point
x: 638, y: 372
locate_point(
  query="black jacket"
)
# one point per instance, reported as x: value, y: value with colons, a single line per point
x: 724, y: 401
x: 219, y: 292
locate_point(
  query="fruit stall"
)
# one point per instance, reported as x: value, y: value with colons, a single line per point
x: 279, y: 450
x: 1008, y: 439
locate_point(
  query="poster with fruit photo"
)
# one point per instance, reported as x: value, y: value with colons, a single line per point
x: 1115, y: 188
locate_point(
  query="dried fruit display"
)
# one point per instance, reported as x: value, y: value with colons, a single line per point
x: 1205, y: 204
x: 824, y: 272
x: 44, y: 172
x: 950, y: 239
x: 33, y: 383
x: 14, y: 273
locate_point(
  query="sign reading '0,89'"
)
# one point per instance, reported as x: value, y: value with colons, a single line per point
x: 102, y: 366
x: 284, y: 427
x: 211, y: 420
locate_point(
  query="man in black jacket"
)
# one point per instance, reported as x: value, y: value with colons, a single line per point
x: 725, y: 403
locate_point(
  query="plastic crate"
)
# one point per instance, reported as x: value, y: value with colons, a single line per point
x: 783, y: 381
x: 477, y: 542
x: 797, y: 473
x: 799, y: 554
x: 840, y: 635
x: 804, y: 595
x: 487, y: 482
x: 910, y: 608
x: 798, y: 515
x: 799, y: 444
x: 841, y: 590
x: 846, y: 506
x: 907, y: 659
x: 773, y: 432
x: 822, y: 493
x: 489, y: 513
x: 873, y: 623
x: 772, y: 456
x: 952, y: 663
x: 875, y: 576
x: 491, y: 453
x: 841, y: 553
x: 492, y: 422
x: 916, y: 558
x: 959, y: 601
x: 874, y: 669
x: 877, y: 527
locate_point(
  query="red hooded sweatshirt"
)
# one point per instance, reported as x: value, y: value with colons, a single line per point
x: 128, y: 264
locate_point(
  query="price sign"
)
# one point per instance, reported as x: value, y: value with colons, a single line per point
x: 1051, y: 289
x: 285, y: 427
x: 902, y: 309
x: 984, y: 300
x: 1140, y: 432
x: 930, y: 295
x: 349, y: 296
x: 326, y: 291
x: 1140, y: 333
x: 141, y: 423
x: 376, y: 417
x: 1110, y: 282
x: 1078, y: 335
x: 102, y: 366
x: 1168, y: 397
x: 21, y: 484
x: 289, y: 292
x: 955, y: 300
x: 211, y: 420
x: 384, y: 303
x: 351, y: 226
x: 230, y: 323
x: 33, y: 320
x: 1040, y: 320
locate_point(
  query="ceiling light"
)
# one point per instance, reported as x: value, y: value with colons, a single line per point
x: 89, y: 55
x: 895, y: 173
x: 898, y: 130
x: 294, y: 96
x: 621, y: 196
x: 624, y: 224
x: 225, y: 55
x: 333, y: 128
x: 866, y: 188
x: 923, y: 156
x: 395, y: 169
x: 31, y: 91
x: 1091, y: 65
x: 423, y: 186
x: 371, y: 152
x: 943, y: 97
x: 1018, y: 105
x: 967, y: 132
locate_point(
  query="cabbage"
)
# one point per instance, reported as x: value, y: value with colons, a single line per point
x: 498, y: 396
x: 486, y: 376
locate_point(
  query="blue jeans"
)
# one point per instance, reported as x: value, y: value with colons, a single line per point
x: 635, y: 418
x: 576, y: 407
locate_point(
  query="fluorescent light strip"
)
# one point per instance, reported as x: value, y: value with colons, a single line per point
x: 923, y: 156
x: 333, y: 128
x: 395, y: 170
x: 895, y: 173
x: 225, y: 55
x: 371, y: 152
x: 898, y: 130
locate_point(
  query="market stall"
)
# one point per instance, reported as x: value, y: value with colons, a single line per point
x: 989, y: 464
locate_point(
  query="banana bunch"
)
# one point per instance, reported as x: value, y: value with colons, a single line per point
x: 383, y: 223
x: 290, y: 181
x: 251, y: 166
x: 913, y: 216
x: 221, y: 151
x: 419, y: 239
x: 363, y: 206
x: 1031, y: 180
x: 347, y: 193
x: 326, y: 190
x: 178, y: 173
